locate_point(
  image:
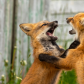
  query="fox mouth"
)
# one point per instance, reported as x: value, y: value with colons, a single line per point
x: 51, y: 31
x: 72, y: 31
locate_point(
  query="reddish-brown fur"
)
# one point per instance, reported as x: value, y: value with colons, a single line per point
x: 40, y: 72
x: 75, y: 57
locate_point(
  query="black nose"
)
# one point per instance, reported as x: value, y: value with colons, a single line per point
x: 66, y: 18
x: 56, y: 21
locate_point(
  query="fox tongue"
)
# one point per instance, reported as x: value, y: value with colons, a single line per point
x: 48, y: 33
x: 51, y: 35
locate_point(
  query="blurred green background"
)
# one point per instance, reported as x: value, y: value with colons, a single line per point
x: 15, y: 47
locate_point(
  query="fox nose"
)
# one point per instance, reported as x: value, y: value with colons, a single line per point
x: 55, y: 24
x: 66, y: 18
x: 56, y: 21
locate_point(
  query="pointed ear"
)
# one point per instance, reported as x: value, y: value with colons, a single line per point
x: 82, y: 21
x: 26, y: 28
x: 69, y: 19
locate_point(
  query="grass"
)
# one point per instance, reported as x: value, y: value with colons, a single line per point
x: 68, y: 77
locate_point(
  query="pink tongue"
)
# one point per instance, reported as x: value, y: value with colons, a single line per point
x: 53, y: 37
x: 48, y: 33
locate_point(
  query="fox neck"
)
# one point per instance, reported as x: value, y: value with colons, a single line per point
x: 81, y: 36
x: 42, y: 45
x: 49, y: 45
x: 36, y: 44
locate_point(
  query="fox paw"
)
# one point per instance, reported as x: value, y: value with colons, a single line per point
x: 64, y: 54
x: 74, y: 44
x: 47, y: 58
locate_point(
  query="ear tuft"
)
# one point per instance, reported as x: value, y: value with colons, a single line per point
x: 26, y: 28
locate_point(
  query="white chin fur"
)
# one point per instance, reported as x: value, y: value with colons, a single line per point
x: 76, y: 36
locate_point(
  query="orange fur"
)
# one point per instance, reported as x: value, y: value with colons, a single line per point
x: 75, y: 57
x: 40, y: 72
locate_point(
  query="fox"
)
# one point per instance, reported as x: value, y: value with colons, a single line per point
x: 42, y: 41
x: 72, y: 58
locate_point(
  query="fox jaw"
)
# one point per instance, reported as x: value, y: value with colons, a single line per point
x: 77, y: 23
x: 41, y: 30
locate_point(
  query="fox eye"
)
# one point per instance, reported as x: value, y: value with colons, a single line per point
x: 44, y: 24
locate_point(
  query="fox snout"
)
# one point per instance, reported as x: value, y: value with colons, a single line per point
x: 68, y: 20
x: 54, y: 24
x: 56, y: 21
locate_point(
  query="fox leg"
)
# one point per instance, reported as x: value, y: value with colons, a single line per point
x: 63, y: 63
x: 80, y: 72
x: 73, y: 45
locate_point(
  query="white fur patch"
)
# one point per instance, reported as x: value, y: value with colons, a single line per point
x: 26, y: 28
x: 76, y: 36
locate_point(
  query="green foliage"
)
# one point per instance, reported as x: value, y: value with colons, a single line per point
x: 68, y: 77
x: 10, y: 76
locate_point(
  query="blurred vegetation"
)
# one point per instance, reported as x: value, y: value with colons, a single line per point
x: 11, y: 77
x: 68, y: 77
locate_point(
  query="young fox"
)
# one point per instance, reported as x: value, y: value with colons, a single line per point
x: 42, y: 41
x: 74, y: 57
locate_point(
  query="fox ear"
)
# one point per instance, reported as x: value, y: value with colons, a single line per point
x: 82, y: 21
x: 26, y: 28
x: 69, y: 19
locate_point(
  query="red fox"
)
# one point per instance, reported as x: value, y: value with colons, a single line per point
x: 42, y: 41
x: 74, y: 58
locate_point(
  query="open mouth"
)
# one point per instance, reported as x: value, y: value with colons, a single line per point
x: 51, y: 31
x: 72, y: 31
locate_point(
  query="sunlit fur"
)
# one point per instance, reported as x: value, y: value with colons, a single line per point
x: 40, y: 72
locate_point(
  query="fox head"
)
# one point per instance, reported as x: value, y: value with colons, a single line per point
x: 42, y: 29
x: 77, y: 23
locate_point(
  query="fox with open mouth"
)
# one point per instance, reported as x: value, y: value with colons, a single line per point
x: 73, y: 58
x: 42, y: 41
